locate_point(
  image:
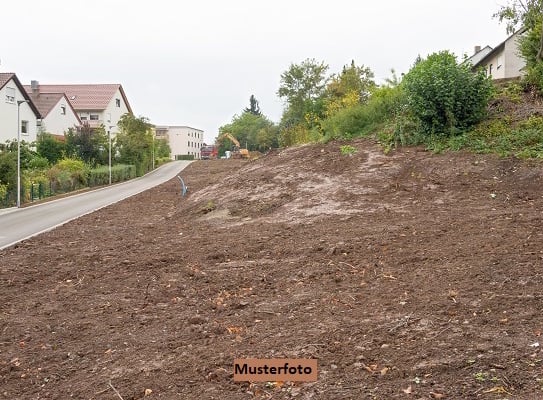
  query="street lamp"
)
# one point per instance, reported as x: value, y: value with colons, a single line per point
x: 153, y: 152
x: 109, y: 134
x: 19, y: 102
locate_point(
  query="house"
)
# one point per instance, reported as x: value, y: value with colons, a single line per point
x: 183, y: 140
x: 478, y: 55
x: 95, y: 104
x: 503, y: 61
x: 57, y: 112
x: 18, y: 114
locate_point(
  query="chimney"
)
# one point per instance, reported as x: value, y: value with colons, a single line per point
x: 35, y: 86
x: 477, y: 49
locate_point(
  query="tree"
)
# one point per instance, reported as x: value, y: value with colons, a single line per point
x: 527, y: 14
x: 445, y: 96
x: 523, y: 14
x: 87, y: 143
x: 49, y: 147
x: 302, y: 88
x: 255, y: 132
x: 349, y: 88
x: 253, y: 108
x: 135, y: 142
x: 162, y: 148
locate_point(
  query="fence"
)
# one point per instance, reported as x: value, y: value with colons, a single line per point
x: 33, y: 191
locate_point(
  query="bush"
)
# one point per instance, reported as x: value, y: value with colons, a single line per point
x: 38, y: 163
x: 119, y: 173
x: 162, y: 160
x: 446, y: 97
x: 293, y: 135
x: 76, y: 169
x: 184, y: 157
x: 385, y: 103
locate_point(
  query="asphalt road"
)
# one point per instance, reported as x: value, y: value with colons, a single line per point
x: 23, y: 223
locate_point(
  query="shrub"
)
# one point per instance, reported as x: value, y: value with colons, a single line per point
x: 162, y: 160
x: 38, y: 163
x: 76, y: 169
x: 293, y: 135
x: 446, y: 97
x: 385, y: 103
x: 120, y: 172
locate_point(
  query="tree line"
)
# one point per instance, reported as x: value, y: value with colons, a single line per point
x: 439, y: 96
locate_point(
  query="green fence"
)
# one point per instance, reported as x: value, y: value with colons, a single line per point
x: 34, y: 191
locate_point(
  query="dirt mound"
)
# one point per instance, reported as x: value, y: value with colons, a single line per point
x: 408, y: 275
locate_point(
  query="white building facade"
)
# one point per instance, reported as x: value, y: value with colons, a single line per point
x: 504, y: 61
x: 16, y: 116
x: 183, y: 140
x: 95, y: 104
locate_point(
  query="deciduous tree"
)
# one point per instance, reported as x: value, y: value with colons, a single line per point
x: 135, y: 142
x: 302, y: 88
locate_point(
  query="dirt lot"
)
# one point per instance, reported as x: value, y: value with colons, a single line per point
x: 409, y: 276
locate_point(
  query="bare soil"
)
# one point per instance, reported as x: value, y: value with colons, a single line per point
x: 408, y: 276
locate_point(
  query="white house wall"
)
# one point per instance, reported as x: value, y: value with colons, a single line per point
x: 495, y: 67
x: 113, y: 113
x: 108, y: 117
x: 57, y: 123
x: 506, y: 63
x: 514, y: 65
x: 8, y: 116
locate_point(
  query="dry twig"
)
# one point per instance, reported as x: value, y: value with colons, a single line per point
x: 116, y: 391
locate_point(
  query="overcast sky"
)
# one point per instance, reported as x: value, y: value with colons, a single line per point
x: 197, y: 63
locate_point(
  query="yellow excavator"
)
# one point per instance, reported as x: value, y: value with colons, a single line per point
x: 237, y: 151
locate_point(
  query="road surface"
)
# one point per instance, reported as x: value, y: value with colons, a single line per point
x: 19, y: 224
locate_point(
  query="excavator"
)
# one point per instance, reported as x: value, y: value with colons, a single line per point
x: 237, y: 151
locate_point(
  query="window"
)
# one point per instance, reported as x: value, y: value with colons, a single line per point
x: 24, y: 127
x: 118, y: 102
x: 62, y: 110
x: 490, y: 69
x: 83, y: 117
x: 94, y: 117
x: 10, y: 95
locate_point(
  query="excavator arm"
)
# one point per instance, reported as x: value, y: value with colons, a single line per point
x: 244, y: 153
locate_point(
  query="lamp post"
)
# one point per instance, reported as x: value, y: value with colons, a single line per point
x: 109, y: 135
x: 153, y: 152
x: 19, y: 102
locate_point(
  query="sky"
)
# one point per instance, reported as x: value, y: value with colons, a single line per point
x: 197, y: 63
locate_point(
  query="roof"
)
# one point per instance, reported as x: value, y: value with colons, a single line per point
x: 477, y: 57
x: 177, y: 127
x: 5, y: 77
x: 87, y: 96
x: 46, y: 101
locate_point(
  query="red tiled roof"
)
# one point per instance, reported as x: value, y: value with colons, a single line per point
x: 5, y: 77
x: 87, y: 96
x: 46, y: 101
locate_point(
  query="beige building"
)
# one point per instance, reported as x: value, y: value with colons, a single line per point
x: 183, y: 140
